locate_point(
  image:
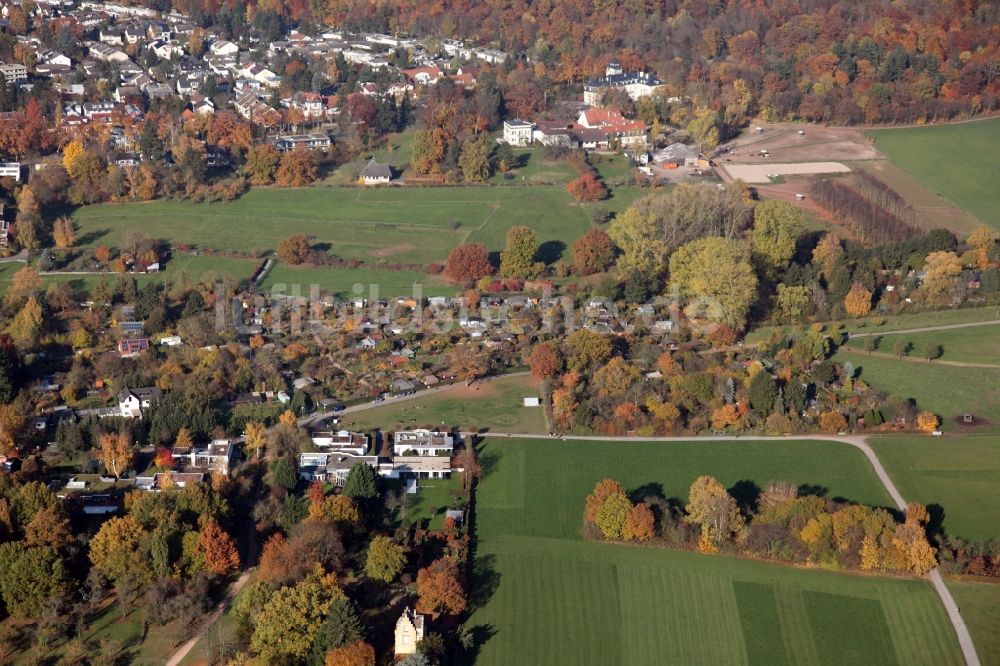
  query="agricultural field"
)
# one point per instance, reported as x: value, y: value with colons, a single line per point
x: 947, y: 391
x: 980, y: 344
x: 980, y: 604
x: 540, y: 589
x: 957, y: 161
x: 933, y: 211
x: 495, y: 405
x: 959, y: 474
x: 399, y: 225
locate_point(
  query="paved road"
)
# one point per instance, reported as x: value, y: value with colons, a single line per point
x: 934, y: 577
x: 220, y: 608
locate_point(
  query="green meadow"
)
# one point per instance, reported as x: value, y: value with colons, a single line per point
x: 957, y: 161
x: 540, y: 589
x: 961, y: 475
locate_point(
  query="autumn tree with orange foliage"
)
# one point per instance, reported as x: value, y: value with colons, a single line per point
x: 218, y: 550
x: 928, y: 421
x: 294, y: 249
x: 602, y: 491
x: 725, y: 416
x: 297, y: 168
x: 358, y: 653
x: 440, y: 589
x: 640, y: 523
x: 832, y: 422
x: 858, y: 301
x: 544, y: 360
x: 115, y: 453
x: 593, y: 253
x: 587, y: 188
x: 467, y: 263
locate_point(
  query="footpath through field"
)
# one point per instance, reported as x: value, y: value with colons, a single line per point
x: 913, y: 359
x: 220, y: 608
x: 926, y: 329
x: 858, y: 442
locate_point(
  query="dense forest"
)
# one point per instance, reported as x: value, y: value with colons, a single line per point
x: 821, y: 60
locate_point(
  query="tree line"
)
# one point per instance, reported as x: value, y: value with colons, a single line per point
x: 782, y: 524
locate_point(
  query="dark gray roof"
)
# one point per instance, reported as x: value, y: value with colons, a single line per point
x: 376, y: 170
x: 624, y: 79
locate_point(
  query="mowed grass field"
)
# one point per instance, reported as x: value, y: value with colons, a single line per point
x: 947, y: 391
x: 890, y: 323
x: 544, y: 592
x: 980, y: 604
x: 959, y: 474
x: 957, y: 161
x: 398, y: 225
x: 979, y: 344
x: 493, y: 405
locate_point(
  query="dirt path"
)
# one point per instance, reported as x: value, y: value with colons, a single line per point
x: 927, y: 329
x: 858, y: 442
x: 911, y: 359
x: 220, y: 608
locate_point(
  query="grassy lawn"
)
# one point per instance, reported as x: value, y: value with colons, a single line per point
x: 959, y: 474
x: 897, y: 322
x: 947, y: 391
x: 544, y: 591
x: 344, y: 281
x: 395, y: 152
x: 182, y: 268
x: 533, y: 168
x: 109, y: 624
x: 980, y: 604
x: 495, y: 405
x: 971, y: 345
x: 410, y: 225
x: 427, y: 507
x: 958, y: 162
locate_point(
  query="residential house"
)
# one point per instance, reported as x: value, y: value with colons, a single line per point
x: 216, y: 456
x: 168, y: 480
x: 342, y: 441
x: 10, y: 170
x: 132, y: 346
x: 310, y: 104
x: 423, y: 76
x: 517, y: 132
x: 417, y: 467
x: 422, y: 442
x: 14, y: 72
x: 132, y: 402
x: 375, y: 173
x: 409, y: 632
x: 635, y: 84
x: 331, y: 466
x: 223, y: 47
x: 107, y: 53
x: 615, y: 126
x: 555, y: 133
x: 311, y: 141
